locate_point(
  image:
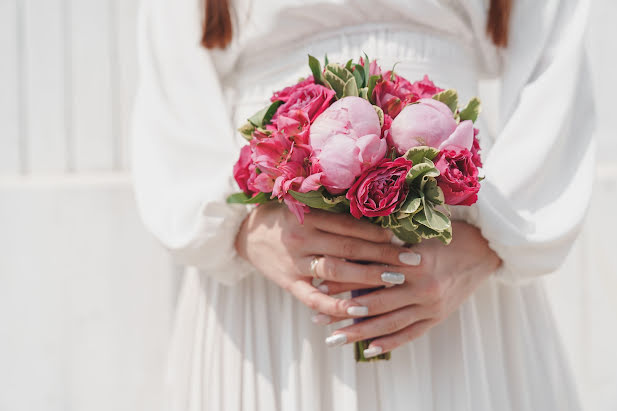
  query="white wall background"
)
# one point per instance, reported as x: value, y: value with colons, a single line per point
x: 86, y: 295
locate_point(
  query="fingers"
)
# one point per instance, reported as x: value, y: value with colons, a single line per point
x: 354, y: 249
x: 334, y: 288
x: 318, y: 301
x: 348, y: 226
x: 382, y: 325
x: 390, y: 342
x: 341, y: 271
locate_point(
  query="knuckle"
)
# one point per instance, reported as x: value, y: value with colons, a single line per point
x: 340, y: 307
x: 312, y: 301
x: 293, y: 238
x: 348, y: 248
x: 329, y: 268
x: 434, y: 291
x: 386, y: 253
x: 396, y: 323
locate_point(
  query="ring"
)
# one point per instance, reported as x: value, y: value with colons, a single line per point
x: 314, y: 262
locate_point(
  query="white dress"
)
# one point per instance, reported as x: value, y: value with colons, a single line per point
x: 242, y: 343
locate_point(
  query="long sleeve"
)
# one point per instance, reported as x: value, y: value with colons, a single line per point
x: 183, y: 144
x: 540, y: 168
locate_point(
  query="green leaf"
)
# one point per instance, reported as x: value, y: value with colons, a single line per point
x: 363, y: 92
x: 372, y: 81
x: 449, y: 98
x: 433, y: 193
x: 325, y: 59
x: 471, y: 111
x: 409, y: 237
x: 337, y: 84
x: 432, y: 218
x: 315, y: 69
x: 264, y: 116
x: 247, y: 131
x: 379, y: 112
x: 367, y: 66
x: 426, y: 232
x: 446, y: 236
x: 351, y: 88
x: 349, y: 64
x: 407, y: 224
x: 420, y: 170
x: 340, y: 71
x: 358, y: 73
x: 242, y: 198
x: 316, y: 199
x: 411, y: 204
x: 418, y: 154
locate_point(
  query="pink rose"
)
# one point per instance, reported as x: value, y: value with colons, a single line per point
x: 392, y: 96
x: 245, y: 172
x: 347, y: 140
x: 425, y: 88
x: 283, y: 95
x: 458, y: 177
x: 306, y: 102
x: 429, y: 123
x: 380, y: 190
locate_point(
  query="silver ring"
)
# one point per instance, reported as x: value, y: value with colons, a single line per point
x: 313, y: 265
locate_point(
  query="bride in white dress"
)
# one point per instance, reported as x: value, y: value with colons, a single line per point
x: 243, y: 342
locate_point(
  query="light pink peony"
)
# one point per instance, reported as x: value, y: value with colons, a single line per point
x: 347, y: 140
x: 429, y: 123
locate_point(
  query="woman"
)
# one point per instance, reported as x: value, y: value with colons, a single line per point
x: 470, y: 325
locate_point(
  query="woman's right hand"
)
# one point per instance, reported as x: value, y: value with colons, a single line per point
x: 282, y: 249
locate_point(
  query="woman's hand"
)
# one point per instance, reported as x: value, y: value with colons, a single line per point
x: 273, y: 240
x: 432, y: 291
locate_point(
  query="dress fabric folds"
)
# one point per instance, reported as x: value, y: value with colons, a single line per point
x: 242, y: 343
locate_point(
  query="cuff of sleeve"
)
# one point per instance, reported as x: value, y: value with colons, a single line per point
x: 213, y: 251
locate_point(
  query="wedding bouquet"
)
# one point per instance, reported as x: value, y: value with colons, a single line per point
x: 354, y: 139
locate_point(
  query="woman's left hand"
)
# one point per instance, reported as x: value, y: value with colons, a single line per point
x: 432, y: 291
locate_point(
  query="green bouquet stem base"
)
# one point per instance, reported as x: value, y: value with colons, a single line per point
x: 360, y: 346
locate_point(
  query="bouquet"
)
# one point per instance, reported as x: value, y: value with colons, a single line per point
x: 354, y: 139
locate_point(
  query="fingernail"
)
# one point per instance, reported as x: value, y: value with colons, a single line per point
x: 372, y: 351
x: 323, y: 288
x: 335, y: 340
x: 357, y: 311
x: 392, y: 278
x: 320, y: 319
x: 397, y: 241
x: 410, y: 258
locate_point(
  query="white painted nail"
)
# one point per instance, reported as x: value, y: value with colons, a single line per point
x: 335, y: 340
x: 410, y: 258
x: 372, y: 351
x: 323, y: 288
x: 357, y: 311
x: 397, y: 241
x: 392, y: 278
x: 320, y: 319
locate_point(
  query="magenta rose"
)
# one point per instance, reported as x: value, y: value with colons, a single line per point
x: 283, y: 95
x: 458, y: 177
x: 244, y: 170
x: 306, y: 102
x: 392, y: 96
x: 475, y: 149
x: 425, y: 88
x: 381, y: 189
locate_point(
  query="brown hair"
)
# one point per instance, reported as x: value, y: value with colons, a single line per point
x: 217, y: 28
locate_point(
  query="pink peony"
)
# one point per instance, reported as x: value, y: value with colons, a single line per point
x: 303, y: 104
x: 347, y: 140
x: 380, y: 190
x: 475, y: 149
x: 458, y: 177
x: 242, y: 169
x: 429, y: 123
